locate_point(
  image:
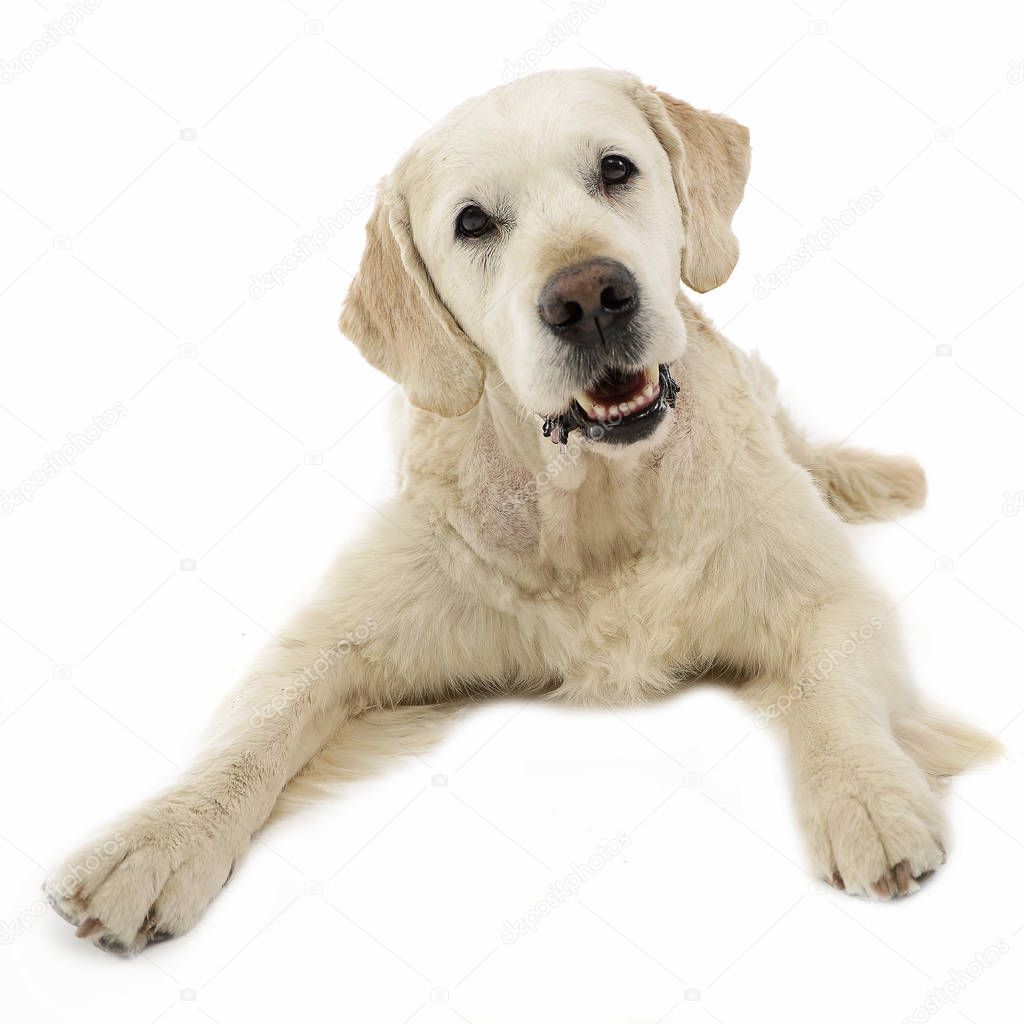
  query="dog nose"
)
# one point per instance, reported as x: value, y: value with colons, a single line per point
x: 589, y: 298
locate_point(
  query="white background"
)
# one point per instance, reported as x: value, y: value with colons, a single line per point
x: 254, y: 441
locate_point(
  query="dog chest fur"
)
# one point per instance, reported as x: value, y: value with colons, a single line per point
x: 632, y: 572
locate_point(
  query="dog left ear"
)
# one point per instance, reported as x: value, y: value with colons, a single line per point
x: 710, y: 158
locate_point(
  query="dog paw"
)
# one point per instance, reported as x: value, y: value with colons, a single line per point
x: 874, y: 832
x: 148, y: 880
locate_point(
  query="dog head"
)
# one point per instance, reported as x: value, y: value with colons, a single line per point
x: 544, y: 227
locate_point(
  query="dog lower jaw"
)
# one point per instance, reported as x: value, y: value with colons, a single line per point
x: 617, y: 428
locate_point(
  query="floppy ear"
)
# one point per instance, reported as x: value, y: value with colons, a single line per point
x: 396, y: 318
x: 710, y: 158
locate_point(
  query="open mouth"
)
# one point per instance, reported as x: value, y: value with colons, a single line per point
x: 620, y: 393
x: 622, y: 406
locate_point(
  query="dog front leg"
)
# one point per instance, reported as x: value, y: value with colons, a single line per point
x: 386, y: 627
x: 871, y: 815
x: 151, y: 875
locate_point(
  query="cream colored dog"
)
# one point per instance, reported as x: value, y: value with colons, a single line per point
x: 521, y: 281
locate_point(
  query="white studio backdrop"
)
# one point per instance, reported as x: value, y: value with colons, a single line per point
x: 182, y: 194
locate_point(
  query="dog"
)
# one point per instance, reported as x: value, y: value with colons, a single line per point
x: 601, y: 499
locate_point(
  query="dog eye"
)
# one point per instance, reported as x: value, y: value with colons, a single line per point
x: 616, y: 170
x: 472, y: 222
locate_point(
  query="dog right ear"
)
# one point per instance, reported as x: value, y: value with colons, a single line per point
x: 397, y: 320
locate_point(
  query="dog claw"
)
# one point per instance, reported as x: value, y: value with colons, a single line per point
x: 904, y: 879
x: 55, y: 905
x: 112, y: 945
x: 90, y: 926
x: 885, y: 888
x: 900, y: 881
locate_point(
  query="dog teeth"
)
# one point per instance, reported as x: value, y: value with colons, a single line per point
x: 644, y: 396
